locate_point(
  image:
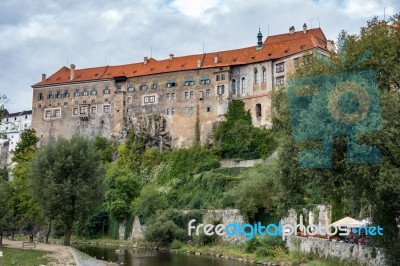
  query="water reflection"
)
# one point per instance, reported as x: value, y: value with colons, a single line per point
x: 135, y: 257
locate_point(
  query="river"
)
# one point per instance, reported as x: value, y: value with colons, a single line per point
x: 138, y: 257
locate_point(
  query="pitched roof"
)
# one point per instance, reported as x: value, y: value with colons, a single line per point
x: 7, y: 114
x: 274, y: 47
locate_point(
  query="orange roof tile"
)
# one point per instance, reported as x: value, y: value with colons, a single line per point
x: 274, y: 47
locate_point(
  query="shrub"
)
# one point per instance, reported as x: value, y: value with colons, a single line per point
x: 163, y: 233
x: 176, y: 244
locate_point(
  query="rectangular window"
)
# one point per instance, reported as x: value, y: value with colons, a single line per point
x: 191, y: 94
x: 50, y: 96
x: 173, y: 97
x: 280, y: 67
x: 83, y: 110
x: 119, y: 88
x: 280, y: 81
x: 106, y: 90
x: 168, y: 112
x: 131, y: 88
x: 48, y: 114
x: 186, y: 95
x: 143, y: 87
x: 205, y: 80
x: 189, y: 82
x: 40, y: 96
x: 264, y: 75
x: 66, y: 94
x: 106, y: 109
x: 93, y: 92
x: 220, y: 89
x: 154, y: 85
x: 75, y: 111
x: 149, y: 99
x: 208, y: 93
x: 65, y: 103
x: 171, y: 83
x: 201, y: 95
x: 58, y: 95
x: 94, y: 109
x: 172, y: 111
x: 189, y: 110
x: 208, y: 109
x: 85, y: 93
x: 168, y: 96
x: 129, y: 110
x: 58, y: 112
x: 77, y: 93
x: 220, y: 77
x: 129, y: 100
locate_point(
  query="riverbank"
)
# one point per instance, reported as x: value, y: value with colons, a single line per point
x: 279, y: 256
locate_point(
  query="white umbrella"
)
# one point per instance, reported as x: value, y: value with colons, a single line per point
x: 349, y: 222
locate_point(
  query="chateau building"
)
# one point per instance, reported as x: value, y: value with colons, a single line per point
x: 168, y: 101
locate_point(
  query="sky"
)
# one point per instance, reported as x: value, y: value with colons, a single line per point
x: 41, y: 36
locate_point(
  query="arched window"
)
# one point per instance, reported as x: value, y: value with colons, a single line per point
x: 264, y: 75
x: 233, y: 86
x: 243, y: 85
x: 255, y: 75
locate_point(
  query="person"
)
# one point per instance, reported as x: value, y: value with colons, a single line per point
x: 31, y: 237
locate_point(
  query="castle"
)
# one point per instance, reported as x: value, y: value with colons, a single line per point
x: 168, y: 101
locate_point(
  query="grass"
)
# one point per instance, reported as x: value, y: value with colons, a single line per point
x: 23, y: 257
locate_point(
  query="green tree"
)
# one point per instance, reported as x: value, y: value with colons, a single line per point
x: 237, y: 138
x: 149, y: 201
x: 122, y: 187
x: 67, y: 180
x: 26, y: 144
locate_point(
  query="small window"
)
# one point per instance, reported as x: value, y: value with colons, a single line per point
x: 129, y: 100
x: 77, y: 93
x: 244, y: 86
x: 154, y: 85
x: 131, y: 88
x: 93, y: 92
x: 75, y: 111
x: 255, y: 75
x: 191, y: 95
x: 171, y: 83
x: 280, y: 67
x: 168, y: 112
x: 143, y: 87
x: 220, y: 77
x: 58, y: 112
x: 93, y: 109
x: 168, y: 96
x: 205, y: 80
x: 208, y: 109
x: 233, y: 86
x: 173, y: 97
x: 48, y: 114
x: 220, y: 89
x: 172, y: 111
x: 189, y: 110
x: 149, y: 99
x: 65, y: 103
x: 258, y: 110
x: 280, y: 81
x: 93, y: 101
x: 66, y: 94
x: 264, y: 75
x: 40, y: 96
x: 58, y: 95
x: 83, y: 110
x: 208, y: 92
x: 106, y: 109
x: 119, y: 88
x: 50, y: 96
x: 85, y: 93
x: 189, y: 82
x: 129, y: 110
x: 106, y: 90
x: 186, y: 95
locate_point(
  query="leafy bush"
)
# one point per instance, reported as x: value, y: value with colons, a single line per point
x: 265, y: 246
x: 176, y: 244
x: 149, y: 201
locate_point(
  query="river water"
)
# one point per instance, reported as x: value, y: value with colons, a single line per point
x: 138, y: 257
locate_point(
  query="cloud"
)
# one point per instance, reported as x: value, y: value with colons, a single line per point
x: 42, y: 38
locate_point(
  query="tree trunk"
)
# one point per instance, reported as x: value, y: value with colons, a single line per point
x: 67, y: 239
x: 48, y: 232
x: 1, y: 238
x: 12, y: 235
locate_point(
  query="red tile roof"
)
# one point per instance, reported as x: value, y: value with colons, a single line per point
x: 274, y: 47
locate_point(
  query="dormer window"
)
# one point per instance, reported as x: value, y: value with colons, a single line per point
x: 106, y: 90
x: 77, y: 93
x: 154, y: 85
x: 131, y: 88
x: 143, y: 87
x: 93, y: 92
x: 189, y: 82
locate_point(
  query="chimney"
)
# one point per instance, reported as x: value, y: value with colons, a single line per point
x: 43, y: 77
x: 72, y: 73
x: 304, y: 28
x: 215, y: 58
x: 145, y: 60
x: 171, y: 56
x: 291, y: 30
x: 198, y: 63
